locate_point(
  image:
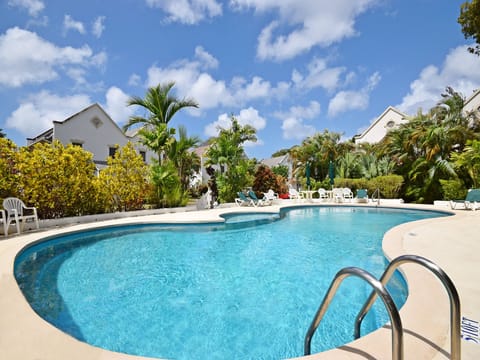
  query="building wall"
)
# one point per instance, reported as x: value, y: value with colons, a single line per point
x: 96, y: 132
x: 390, y: 119
x: 472, y: 103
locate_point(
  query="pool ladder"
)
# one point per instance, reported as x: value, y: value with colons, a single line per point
x: 379, y: 290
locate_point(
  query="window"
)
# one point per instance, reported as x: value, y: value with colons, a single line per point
x: 96, y: 122
x: 390, y: 124
x: 143, y: 154
x: 112, y: 150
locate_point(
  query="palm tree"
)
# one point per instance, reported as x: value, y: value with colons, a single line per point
x: 226, y: 151
x: 185, y: 160
x: 2, y: 134
x: 161, y: 107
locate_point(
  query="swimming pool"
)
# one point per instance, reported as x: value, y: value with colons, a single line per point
x: 245, y: 290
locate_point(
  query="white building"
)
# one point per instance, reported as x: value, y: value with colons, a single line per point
x: 472, y: 104
x: 391, y: 118
x: 95, y: 131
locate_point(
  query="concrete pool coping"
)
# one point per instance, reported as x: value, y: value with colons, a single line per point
x: 451, y: 242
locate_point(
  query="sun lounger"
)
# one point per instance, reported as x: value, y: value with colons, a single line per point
x: 472, y: 201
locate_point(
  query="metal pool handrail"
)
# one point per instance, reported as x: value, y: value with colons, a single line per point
x: 379, y: 289
x: 455, y: 347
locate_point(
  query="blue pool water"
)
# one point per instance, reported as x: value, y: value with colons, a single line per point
x: 247, y: 289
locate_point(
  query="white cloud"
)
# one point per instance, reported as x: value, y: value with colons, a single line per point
x: 116, y: 105
x: 38, y: 60
x: 206, y: 58
x: 70, y: 24
x: 192, y: 82
x: 98, y: 26
x: 134, y: 80
x: 304, y: 112
x: 294, y: 128
x: 460, y: 70
x: 304, y: 23
x: 34, y: 7
x: 187, y: 11
x: 293, y: 121
x: 36, y: 113
x: 77, y: 74
x: 248, y: 116
x: 345, y: 101
x: 318, y: 75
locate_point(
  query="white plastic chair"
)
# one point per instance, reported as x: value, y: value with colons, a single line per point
x: 294, y: 194
x: 3, y: 220
x: 18, y: 212
x: 337, y: 194
x: 347, y: 194
x: 270, y: 196
x: 322, y: 194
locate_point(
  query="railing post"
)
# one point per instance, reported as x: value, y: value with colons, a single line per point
x: 379, y: 289
x: 455, y: 346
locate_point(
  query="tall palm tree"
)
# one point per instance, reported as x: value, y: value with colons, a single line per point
x: 185, y: 160
x: 161, y: 106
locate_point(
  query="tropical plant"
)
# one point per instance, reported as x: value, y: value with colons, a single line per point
x: 125, y: 180
x: 318, y: 150
x: 161, y: 106
x: 57, y: 180
x: 168, y: 191
x: 266, y: 179
x: 469, y: 160
x: 8, y: 160
x: 185, y: 160
x: 227, y: 154
x: 422, y: 147
x: 281, y: 170
x: 469, y: 19
x: 2, y: 134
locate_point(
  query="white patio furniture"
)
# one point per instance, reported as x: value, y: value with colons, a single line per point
x: 3, y: 220
x: 18, y: 212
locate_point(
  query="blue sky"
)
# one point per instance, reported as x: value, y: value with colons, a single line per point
x: 289, y: 68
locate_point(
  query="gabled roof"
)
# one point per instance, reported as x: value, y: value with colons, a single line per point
x: 377, y: 120
x: 471, y: 97
x: 276, y: 161
x: 48, y: 133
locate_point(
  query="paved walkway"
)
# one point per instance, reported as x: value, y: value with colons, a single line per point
x: 452, y: 242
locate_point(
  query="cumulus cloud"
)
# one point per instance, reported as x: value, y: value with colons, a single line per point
x: 70, y: 24
x: 304, y: 24
x: 134, y: 80
x: 345, y: 101
x: 460, y: 70
x: 318, y: 75
x: 293, y: 121
x: 248, y: 116
x: 296, y: 129
x: 192, y: 81
x: 98, y: 26
x: 36, y: 113
x: 187, y: 11
x: 38, y: 60
x: 116, y: 105
x: 34, y: 7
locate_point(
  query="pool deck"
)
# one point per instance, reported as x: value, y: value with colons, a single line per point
x: 451, y: 242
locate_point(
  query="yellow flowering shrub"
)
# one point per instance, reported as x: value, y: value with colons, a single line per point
x: 124, y: 182
x: 57, y: 180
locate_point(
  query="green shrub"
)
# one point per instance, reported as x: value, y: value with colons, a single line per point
x: 453, y: 189
x: 389, y: 185
x: 57, y: 180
